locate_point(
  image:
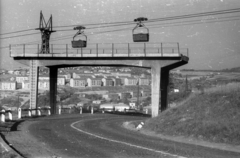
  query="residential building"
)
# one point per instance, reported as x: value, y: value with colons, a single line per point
x: 94, y: 82
x: 130, y: 81
x: 43, y: 84
x: 20, y: 79
x: 26, y: 84
x: 116, y: 81
x: 144, y: 81
x: 78, y: 82
x: 8, y: 85
x: 61, y: 81
x: 107, y: 81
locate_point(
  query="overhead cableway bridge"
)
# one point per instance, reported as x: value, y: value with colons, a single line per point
x: 160, y: 57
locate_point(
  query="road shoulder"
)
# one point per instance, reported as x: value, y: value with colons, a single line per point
x: 26, y: 144
x: 226, y: 147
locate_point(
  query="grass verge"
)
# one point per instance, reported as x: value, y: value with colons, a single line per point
x: 212, y: 116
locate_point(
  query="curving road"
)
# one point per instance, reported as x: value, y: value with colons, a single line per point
x: 102, y: 136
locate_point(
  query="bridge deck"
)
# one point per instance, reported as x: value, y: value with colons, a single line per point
x: 101, y: 50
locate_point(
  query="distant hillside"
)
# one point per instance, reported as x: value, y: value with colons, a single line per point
x: 236, y: 69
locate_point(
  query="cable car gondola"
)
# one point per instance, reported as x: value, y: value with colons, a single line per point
x: 79, y: 43
x: 140, y: 37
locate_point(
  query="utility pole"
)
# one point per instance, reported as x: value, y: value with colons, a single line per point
x: 46, y: 30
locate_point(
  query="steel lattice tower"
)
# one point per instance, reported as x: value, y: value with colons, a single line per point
x: 46, y: 30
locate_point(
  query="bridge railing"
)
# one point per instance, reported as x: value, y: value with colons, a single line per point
x: 100, y: 50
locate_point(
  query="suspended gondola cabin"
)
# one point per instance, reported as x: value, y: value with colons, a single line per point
x: 82, y: 42
x: 140, y: 36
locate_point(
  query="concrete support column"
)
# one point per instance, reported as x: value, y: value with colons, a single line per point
x: 33, y: 78
x: 53, y: 89
x: 156, y: 77
x: 164, y: 89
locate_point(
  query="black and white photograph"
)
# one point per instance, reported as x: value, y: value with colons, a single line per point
x: 119, y: 78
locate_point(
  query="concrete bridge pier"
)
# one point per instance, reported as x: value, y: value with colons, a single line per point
x: 156, y: 78
x: 164, y: 88
x: 53, y: 88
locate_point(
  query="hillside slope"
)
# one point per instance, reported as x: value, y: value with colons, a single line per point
x: 213, y: 116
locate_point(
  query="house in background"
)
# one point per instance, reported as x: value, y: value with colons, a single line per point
x: 20, y: 79
x: 61, y: 81
x: 107, y: 81
x: 144, y: 81
x: 78, y: 82
x: 8, y: 85
x: 43, y: 84
x: 130, y: 81
x: 94, y: 82
x: 116, y: 81
x: 26, y: 84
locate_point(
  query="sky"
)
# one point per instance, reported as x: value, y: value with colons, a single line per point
x: 213, y: 41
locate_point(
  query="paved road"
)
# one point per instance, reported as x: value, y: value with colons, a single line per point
x: 102, y: 136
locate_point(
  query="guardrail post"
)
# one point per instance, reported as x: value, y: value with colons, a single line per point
x: 3, y: 116
x: 91, y: 109
x: 19, y: 113
x: 80, y: 110
x: 29, y: 112
x: 10, y: 114
x: 49, y: 111
x: 39, y: 111
x: 59, y: 110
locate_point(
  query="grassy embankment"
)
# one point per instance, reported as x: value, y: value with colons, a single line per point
x: 212, y: 116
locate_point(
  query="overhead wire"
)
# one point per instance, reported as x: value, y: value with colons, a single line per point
x: 20, y: 35
x: 182, y: 23
x: 235, y: 10
x: 195, y: 15
x: 16, y: 32
x: 153, y: 20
